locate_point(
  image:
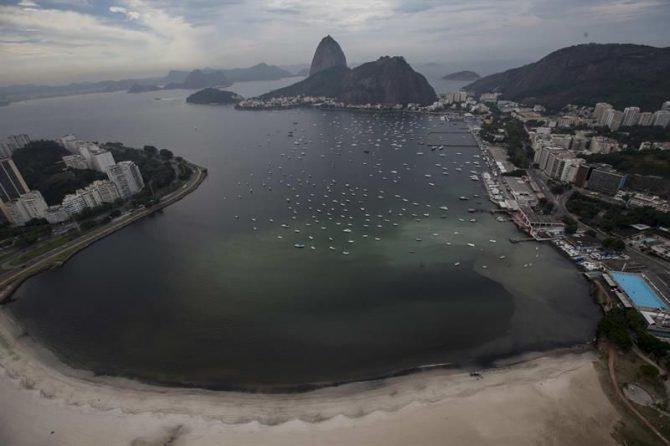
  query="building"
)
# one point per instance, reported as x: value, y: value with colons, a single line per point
x: 56, y: 214
x: 101, y: 160
x: 521, y: 191
x: 12, y: 184
x: 106, y: 190
x: 646, y: 119
x: 534, y: 223
x: 90, y: 196
x: 25, y: 208
x: 631, y: 116
x: 599, y: 112
x: 582, y: 175
x: 661, y: 118
x: 653, y: 201
x: 556, y: 162
x: 75, y: 161
x: 73, y: 204
x: 70, y: 143
x: 571, y: 169
x: 613, y: 119
x: 16, y: 142
x: 561, y: 140
x: 605, y: 179
x: 666, y: 105
x: 127, y: 178
x: 5, y: 150
x: 601, y: 144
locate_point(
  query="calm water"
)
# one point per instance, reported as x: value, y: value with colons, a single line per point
x: 213, y: 293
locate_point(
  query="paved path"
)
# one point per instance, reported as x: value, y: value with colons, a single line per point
x: 8, y: 282
x: 645, y: 421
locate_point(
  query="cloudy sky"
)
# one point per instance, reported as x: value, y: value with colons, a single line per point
x: 62, y: 40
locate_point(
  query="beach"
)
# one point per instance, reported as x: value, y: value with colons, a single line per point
x: 552, y: 399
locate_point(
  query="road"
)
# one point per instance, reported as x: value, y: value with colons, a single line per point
x: 9, y: 281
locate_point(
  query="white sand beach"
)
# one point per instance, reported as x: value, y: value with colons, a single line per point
x: 551, y: 400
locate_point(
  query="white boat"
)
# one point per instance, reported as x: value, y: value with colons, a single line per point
x: 471, y: 244
x: 457, y: 263
x: 299, y: 245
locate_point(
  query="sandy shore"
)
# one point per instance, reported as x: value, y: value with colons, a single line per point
x: 551, y: 400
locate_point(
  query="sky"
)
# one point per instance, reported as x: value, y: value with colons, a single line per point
x: 59, y: 41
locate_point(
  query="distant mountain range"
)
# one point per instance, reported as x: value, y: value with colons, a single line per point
x: 195, y: 79
x: 462, y: 76
x: 621, y: 74
x: 388, y: 80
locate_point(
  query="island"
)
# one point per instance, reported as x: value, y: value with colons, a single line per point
x: 462, y: 76
x: 214, y: 96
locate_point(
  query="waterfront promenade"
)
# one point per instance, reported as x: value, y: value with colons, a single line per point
x: 56, y: 257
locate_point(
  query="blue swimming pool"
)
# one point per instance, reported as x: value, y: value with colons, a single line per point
x: 638, y: 290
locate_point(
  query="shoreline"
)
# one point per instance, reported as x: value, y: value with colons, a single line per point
x: 30, y: 372
x: 14, y: 280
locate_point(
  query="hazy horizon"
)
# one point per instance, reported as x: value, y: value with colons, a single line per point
x: 62, y: 41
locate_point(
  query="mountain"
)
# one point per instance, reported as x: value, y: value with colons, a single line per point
x: 213, y: 96
x: 462, y: 76
x: 621, y: 74
x: 328, y: 54
x: 388, y: 80
x: 198, y: 79
x: 259, y: 72
x: 139, y: 88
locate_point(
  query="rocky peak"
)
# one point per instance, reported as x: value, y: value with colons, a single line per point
x: 328, y: 54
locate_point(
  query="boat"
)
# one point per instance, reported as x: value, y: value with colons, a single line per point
x: 462, y: 197
x: 299, y: 245
x: 457, y: 263
x: 444, y: 208
x: 471, y: 244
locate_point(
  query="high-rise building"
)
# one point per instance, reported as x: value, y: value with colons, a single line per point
x: 606, y: 180
x: 661, y: 118
x: 599, y: 111
x: 106, y: 190
x: 5, y: 150
x: 601, y: 144
x: 16, y: 142
x: 631, y: 116
x: 127, y: 178
x: 25, y: 208
x: 70, y: 143
x: 90, y: 196
x: 101, y: 160
x: 75, y: 161
x: 12, y: 184
x: 73, y: 204
x: 646, y: 119
x: 613, y: 119
x: 666, y: 105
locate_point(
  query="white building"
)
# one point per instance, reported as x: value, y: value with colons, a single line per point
x: 56, y: 214
x: 601, y: 144
x: 127, y: 178
x: 106, y: 190
x: 5, y: 150
x: 90, y: 196
x: 17, y: 141
x: 631, y: 116
x: 599, y: 112
x: 666, y: 105
x: 75, y: 161
x: 613, y: 119
x: 570, y: 169
x: 662, y: 118
x: 27, y: 207
x: 101, y: 160
x: 73, y: 204
x: 70, y: 143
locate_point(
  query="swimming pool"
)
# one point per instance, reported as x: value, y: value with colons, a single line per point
x: 638, y: 290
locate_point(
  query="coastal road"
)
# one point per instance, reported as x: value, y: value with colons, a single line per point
x: 11, y: 280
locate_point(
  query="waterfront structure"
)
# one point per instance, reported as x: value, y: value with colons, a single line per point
x: 75, y: 161
x: 631, y: 116
x: 661, y: 118
x: 599, y: 112
x: 535, y: 224
x: 127, y: 178
x: 605, y: 179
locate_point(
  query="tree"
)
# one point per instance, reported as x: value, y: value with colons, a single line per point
x: 166, y: 154
x: 150, y: 151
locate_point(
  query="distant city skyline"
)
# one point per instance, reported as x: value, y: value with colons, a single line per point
x: 59, y: 41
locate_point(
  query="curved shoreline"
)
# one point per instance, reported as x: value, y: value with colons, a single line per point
x: 14, y: 280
